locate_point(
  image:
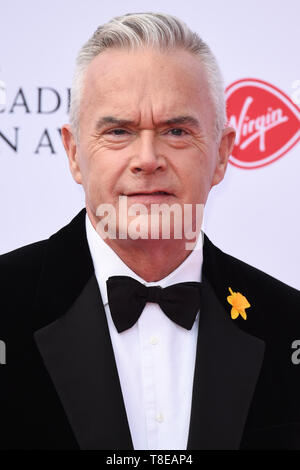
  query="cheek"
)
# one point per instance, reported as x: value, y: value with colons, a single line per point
x: 103, y: 178
x: 198, y: 185
x: 94, y: 164
x: 197, y: 178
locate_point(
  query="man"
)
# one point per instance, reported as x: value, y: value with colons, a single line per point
x: 201, y: 358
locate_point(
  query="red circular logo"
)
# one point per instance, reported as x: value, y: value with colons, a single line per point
x: 266, y: 120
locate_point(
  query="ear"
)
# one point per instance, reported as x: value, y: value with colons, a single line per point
x: 70, y: 145
x: 225, y: 149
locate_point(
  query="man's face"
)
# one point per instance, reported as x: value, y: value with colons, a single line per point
x: 146, y: 131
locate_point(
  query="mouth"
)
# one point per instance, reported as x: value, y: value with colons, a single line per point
x: 150, y: 193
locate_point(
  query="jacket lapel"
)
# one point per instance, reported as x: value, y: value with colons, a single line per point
x: 78, y: 354
x: 227, y: 367
x: 72, y: 336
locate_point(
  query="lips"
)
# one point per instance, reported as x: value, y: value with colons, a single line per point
x: 149, y: 197
x: 152, y: 193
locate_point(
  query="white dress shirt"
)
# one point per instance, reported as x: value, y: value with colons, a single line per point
x: 155, y: 358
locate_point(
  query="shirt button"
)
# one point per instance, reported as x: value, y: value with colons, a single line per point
x: 153, y: 340
x: 159, y: 418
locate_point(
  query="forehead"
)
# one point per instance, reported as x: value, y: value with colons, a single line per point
x: 137, y: 82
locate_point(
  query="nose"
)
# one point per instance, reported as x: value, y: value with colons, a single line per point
x: 146, y: 157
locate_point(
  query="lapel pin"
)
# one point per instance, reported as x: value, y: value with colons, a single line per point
x: 239, y: 303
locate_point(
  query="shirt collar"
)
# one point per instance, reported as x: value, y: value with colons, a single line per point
x: 107, y: 263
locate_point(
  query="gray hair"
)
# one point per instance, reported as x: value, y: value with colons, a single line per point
x: 136, y: 30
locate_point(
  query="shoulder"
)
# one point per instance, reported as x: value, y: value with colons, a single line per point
x: 20, y: 271
x: 222, y: 267
x: 28, y: 252
x: 24, y: 262
x: 274, y: 306
x: 50, y: 270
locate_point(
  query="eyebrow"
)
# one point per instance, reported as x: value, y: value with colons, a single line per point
x: 190, y: 120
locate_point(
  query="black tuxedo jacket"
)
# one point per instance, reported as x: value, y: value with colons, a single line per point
x: 60, y: 389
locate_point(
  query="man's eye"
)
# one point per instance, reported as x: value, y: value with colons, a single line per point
x: 117, y: 132
x: 177, y: 132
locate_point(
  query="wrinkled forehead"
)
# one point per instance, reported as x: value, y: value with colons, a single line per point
x: 130, y: 83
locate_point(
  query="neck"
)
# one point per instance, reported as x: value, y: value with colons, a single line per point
x: 152, y: 260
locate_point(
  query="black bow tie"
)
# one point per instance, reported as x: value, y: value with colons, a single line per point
x: 128, y: 297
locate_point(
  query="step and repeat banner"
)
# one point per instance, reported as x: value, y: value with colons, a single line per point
x: 254, y: 214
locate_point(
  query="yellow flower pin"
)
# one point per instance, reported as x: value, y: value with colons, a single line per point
x: 239, y: 304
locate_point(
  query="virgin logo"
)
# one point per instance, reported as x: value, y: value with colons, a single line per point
x: 267, y: 122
